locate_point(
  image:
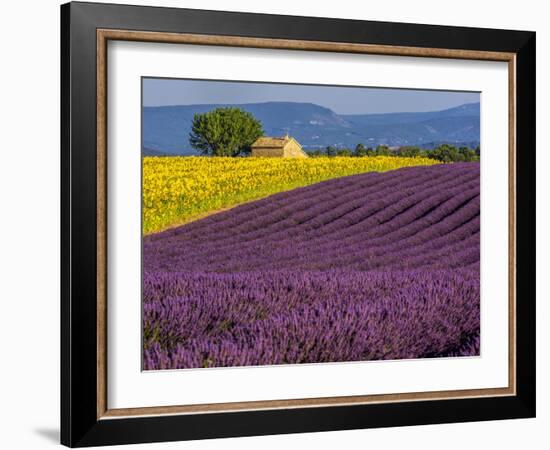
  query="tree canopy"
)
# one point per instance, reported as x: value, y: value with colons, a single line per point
x: 443, y: 152
x: 224, y: 132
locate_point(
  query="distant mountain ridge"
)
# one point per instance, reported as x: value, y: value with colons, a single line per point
x: 166, y: 128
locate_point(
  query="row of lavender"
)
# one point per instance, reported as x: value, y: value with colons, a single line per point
x: 372, y: 266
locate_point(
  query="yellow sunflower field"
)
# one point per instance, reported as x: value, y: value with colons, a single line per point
x: 177, y: 190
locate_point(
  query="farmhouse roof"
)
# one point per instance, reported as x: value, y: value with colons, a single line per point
x: 271, y: 142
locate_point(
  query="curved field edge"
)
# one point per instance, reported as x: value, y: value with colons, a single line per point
x: 177, y: 190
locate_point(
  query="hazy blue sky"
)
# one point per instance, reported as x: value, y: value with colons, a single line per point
x: 343, y: 100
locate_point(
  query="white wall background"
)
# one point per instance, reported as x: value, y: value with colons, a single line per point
x: 29, y: 224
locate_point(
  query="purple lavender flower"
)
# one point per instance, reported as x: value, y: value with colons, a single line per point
x: 366, y: 267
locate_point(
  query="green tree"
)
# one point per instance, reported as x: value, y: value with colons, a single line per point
x: 360, y: 150
x: 331, y: 150
x: 468, y: 154
x: 446, y: 153
x: 344, y: 152
x: 382, y: 150
x: 224, y: 132
x: 410, y: 151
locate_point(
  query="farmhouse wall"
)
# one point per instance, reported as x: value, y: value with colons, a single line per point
x: 293, y: 150
x: 268, y: 151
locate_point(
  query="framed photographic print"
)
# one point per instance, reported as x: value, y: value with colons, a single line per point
x: 276, y: 224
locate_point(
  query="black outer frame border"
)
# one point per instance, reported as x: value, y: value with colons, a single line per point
x: 79, y: 425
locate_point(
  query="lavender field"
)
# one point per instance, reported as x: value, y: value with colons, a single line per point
x: 365, y: 267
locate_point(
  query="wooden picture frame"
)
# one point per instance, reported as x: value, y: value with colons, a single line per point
x: 86, y: 418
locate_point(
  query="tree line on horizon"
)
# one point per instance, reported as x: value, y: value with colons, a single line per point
x: 443, y: 152
x: 231, y: 132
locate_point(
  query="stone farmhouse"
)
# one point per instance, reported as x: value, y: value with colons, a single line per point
x: 279, y: 147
